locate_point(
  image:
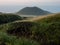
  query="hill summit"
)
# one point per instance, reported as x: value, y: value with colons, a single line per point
x: 32, y: 11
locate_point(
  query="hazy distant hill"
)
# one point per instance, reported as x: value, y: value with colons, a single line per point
x: 0, y: 12
x: 32, y: 11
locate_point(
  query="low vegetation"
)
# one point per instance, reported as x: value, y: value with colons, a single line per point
x: 13, y: 40
x: 45, y: 31
x: 51, y: 19
x: 6, y: 18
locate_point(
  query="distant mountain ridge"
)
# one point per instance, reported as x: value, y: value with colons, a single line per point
x: 32, y: 11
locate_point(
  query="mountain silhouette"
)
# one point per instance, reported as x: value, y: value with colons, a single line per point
x: 32, y: 11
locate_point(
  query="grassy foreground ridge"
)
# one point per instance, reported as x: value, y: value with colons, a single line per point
x: 45, y: 31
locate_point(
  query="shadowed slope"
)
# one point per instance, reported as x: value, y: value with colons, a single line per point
x: 6, y: 18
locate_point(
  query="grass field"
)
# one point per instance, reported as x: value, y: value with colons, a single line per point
x: 42, y: 30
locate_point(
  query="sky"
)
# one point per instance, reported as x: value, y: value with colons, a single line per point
x: 16, y: 5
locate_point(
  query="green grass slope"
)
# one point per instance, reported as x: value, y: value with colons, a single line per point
x: 45, y: 31
x: 51, y: 18
x: 49, y: 30
x: 19, y: 30
x: 5, y: 18
x: 13, y: 40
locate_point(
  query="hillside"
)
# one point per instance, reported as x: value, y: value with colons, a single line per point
x: 45, y: 17
x: 32, y: 11
x: 5, y: 18
x: 49, y: 18
x: 0, y: 12
x: 43, y: 31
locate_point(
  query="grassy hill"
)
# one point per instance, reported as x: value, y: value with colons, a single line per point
x: 50, y: 18
x: 13, y: 40
x: 5, y: 18
x: 44, y: 31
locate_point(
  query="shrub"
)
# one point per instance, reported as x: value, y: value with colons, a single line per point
x: 5, y: 18
x: 12, y: 40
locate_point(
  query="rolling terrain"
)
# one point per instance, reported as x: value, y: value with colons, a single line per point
x: 40, y: 30
x: 6, y: 18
